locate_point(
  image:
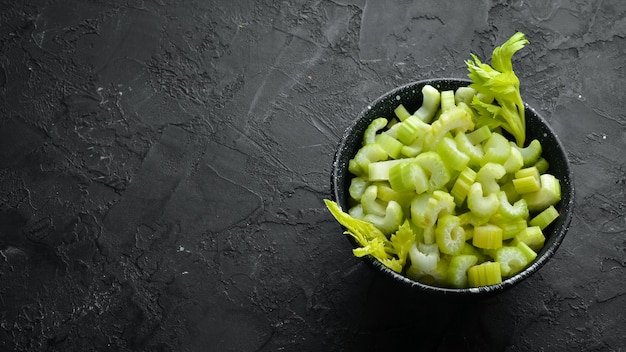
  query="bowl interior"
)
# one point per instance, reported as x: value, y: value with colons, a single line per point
x: 536, y: 128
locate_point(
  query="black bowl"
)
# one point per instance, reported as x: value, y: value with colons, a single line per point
x: 411, y: 97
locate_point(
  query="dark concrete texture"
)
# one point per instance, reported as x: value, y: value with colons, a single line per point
x: 163, y: 165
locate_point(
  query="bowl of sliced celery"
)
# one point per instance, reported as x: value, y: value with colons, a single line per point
x: 451, y: 188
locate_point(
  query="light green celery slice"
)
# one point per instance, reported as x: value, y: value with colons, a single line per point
x: 449, y: 234
x: 430, y: 103
x: 370, y: 202
x: 432, y: 163
x: 479, y: 135
x: 464, y: 95
x: 529, y: 253
x: 425, y: 260
x: 369, y: 136
x: 532, y: 236
x: 357, y: 212
x: 488, y: 176
x: 497, y: 149
x: 531, y: 153
x: 455, y: 118
x: 389, y: 144
x: 410, y: 129
x: 549, y: 194
x: 379, y: 170
x: 515, y: 162
x: 438, y: 204
x: 451, y: 155
x: 457, y: 270
x: 518, y: 210
x: 462, y: 185
x: 390, y: 221
x: 485, y: 274
x: 545, y: 218
x: 527, y: 180
x: 434, y: 277
x: 487, y: 236
x: 367, y: 154
x: 481, y: 205
x: 475, y: 152
x: 354, y: 168
x: 447, y: 100
x: 357, y: 187
x: 470, y: 218
x: 512, y: 260
x: 386, y: 194
x: 510, y: 228
x: 408, y: 176
x: 401, y: 112
x: 542, y: 165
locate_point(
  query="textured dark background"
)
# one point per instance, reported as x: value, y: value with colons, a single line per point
x: 163, y: 165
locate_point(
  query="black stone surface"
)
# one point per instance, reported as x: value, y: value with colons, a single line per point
x: 163, y: 165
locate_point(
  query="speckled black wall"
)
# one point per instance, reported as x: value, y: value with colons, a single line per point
x: 163, y: 165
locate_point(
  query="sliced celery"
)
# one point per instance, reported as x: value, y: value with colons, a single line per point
x: 367, y: 154
x: 357, y: 187
x: 545, y: 218
x: 497, y: 149
x: 423, y: 257
x: 369, y: 136
x: 481, y: 205
x: 401, y: 112
x: 532, y: 236
x: 451, y: 155
x: 512, y: 260
x: 455, y: 118
x: 462, y: 185
x: 519, y: 210
x: 457, y: 270
x: 389, y: 144
x: 464, y: 95
x: 549, y: 194
x: 475, y: 152
x: 485, y: 274
x: 430, y: 103
x: 390, y: 221
x: 530, y: 153
x: 379, y: 170
x: 479, y: 135
x: 447, y: 100
x: 432, y: 163
x: 410, y: 129
x: 487, y: 236
x: 449, y: 234
x: 514, y: 163
x: 488, y: 176
x: 370, y: 202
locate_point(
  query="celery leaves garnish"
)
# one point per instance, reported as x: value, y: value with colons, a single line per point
x: 390, y: 252
x: 499, y: 81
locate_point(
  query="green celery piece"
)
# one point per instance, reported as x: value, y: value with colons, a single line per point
x: 401, y: 112
x: 367, y: 154
x: 425, y: 260
x: 488, y: 176
x: 518, y: 210
x: 549, y: 194
x: 430, y: 103
x: 410, y: 129
x: 512, y: 260
x: 369, y: 136
x: 427, y: 208
x: 462, y: 184
x: 379, y: 170
x: 475, y: 152
x: 435, y: 277
x: 457, y: 270
x: 545, y: 218
x: 515, y: 161
x: 455, y: 118
x: 390, y: 221
x: 389, y: 144
x: 487, y: 236
x: 449, y: 234
x: 481, y: 205
x: 432, y: 163
x: 497, y: 149
x: 451, y: 155
x: 485, y: 274
x: 464, y: 95
x: 447, y: 100
x: 370, y: 202
x: 357, y: 187
x: 531, y: 153
x: 532, y: 236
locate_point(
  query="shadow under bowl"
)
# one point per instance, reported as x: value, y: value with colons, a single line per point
x: 411, y: 97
